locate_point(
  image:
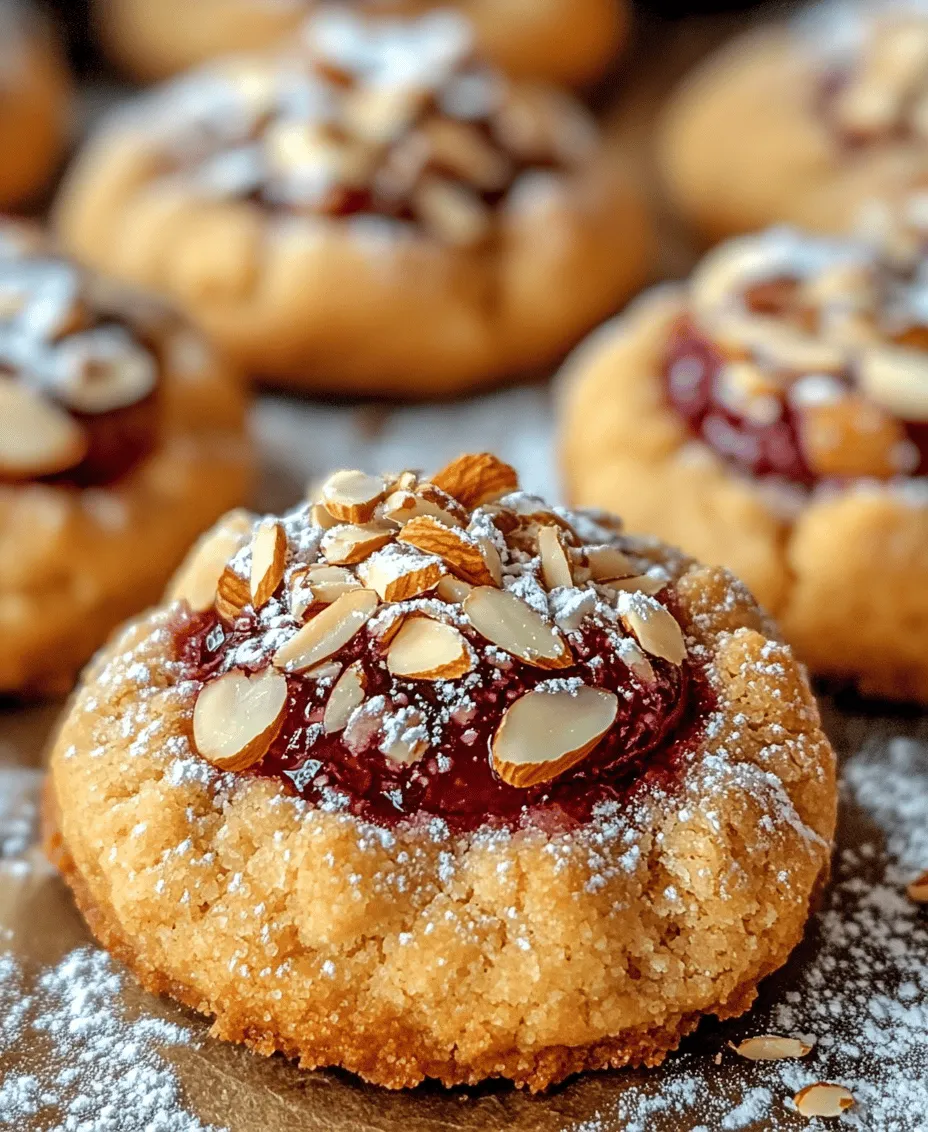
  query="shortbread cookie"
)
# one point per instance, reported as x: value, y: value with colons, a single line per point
x: 429, y: 779
x: 121, y: 439
x: 372, y: 211
x: 563, y: 41
x: 773, y: 416
x: 34, y: 100
x: 804, y: 123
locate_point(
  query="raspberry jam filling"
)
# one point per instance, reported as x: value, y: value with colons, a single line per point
x: 455, y: 780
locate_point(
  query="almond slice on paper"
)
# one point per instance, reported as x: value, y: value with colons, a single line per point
x: 823, y: 1099
x: 555, y: 565
x: 424, y: 649
x: 460, y: 552
x: 452, y: 589
x: 654, y: 627
x: 477, y: 478
x: 771, y: 1047
x: 37, y: 438
x: 397, y: 577
x: 918, y: 889
x: 238, y: 716
x: 346, y: 695
x: 268, y: 560
x: 327, y: 632
x: 507, y: 622
x: 545, y: 733
x: 233, y: 593
x: 352, y: 497
x: 198, y: 578
x: 347, y: 545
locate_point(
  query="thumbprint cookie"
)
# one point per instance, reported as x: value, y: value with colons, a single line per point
x: 34, y: 102
x: 372, y: 210
x: 772, y: 415
x: 121, y: 440
x: 562, y: 41
x: 428, y: 779
x: 802, y: 123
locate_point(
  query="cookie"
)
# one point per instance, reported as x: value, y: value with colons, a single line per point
x: 374, y: 211
x: 34, y: 103
x: 803, y: 123
x: 428, y: 779
x: 562, y: 41
x: 121, y: 439
x: 772, y: 415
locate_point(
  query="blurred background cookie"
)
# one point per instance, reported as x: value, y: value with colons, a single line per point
x: 121, y: 438
x: 772, y: 416
x: 569, y: 41
x: 34, y: 104
x: 372, y: 210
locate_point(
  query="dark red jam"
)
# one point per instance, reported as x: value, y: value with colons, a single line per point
x: 118, y: 441
x: 454, y: 780
x: 768, y: 449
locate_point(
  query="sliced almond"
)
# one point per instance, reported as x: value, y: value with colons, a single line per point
x: 424, y: 649
x: 918, y: 889
x: 478, y: 478
x: 352, y: 497
x: 268, y: 560
x: 346, y: 695
x: 322, y: 518
x: 237, y: 716
x: 451, y: 211
x: 462, y: 150
x: 409, y: 745
x: 823, y: 1099
x: 544, y: 734
x: 36, y: 437
x: 396, y: 577
x: 379, y: 114
x: 507, y: 622
x: 233, y: 593
x: 606, y: 562
x: 403, y: 505
x: 330, y: 582
x: 770, y: 1047
x: 453, y: 589
x: 327, y: 632
x: 198, y: 578
x: 491, y: 558
x: 460, y: 552
x: 653, y: 626
x: 650, y: 584
x: 555, y: 565
x: 896, y: 377
x: 345, y: 545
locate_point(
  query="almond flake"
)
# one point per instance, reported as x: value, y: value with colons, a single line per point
x: 330, y: 582
x: 396, y: 578
x: 460, y: 552
x: 606, y: 562
x: 268, y: 561
x: 322, y: 518
x: 544, y: 734
x: 232, y: 594
x: 428, y: 650
x: 654, y: 627
x: 770, y: 1047
x: 37, y: 438
x: 918, y: 889
x: 823, y: 1099
x: 507, y: 622
x: 237, y: 716
x: 346, y: 695
x: 452, y: 211
x: 896, y: 377
x: 453, y: 589
x: 198, y: 578
x: 474, y: 479
x: 555, y: 565
x: 327, y: 632
x: 650, y: 584
x: 352, y: 497
x: 402, y: 505
x: 346, y: 545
